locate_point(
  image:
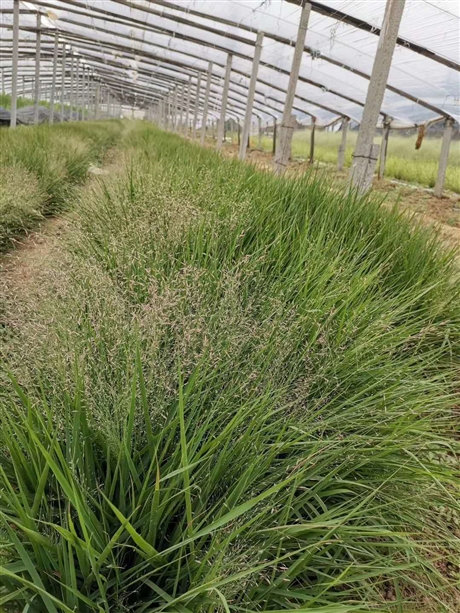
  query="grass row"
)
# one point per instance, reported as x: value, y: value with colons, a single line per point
x: 404, y: 162
x: 39, y: 166
x: 244, y: 401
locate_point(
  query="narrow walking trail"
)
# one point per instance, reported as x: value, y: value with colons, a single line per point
x: 19, y: 266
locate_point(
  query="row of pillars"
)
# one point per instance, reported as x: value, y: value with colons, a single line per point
x: 366, y: 153
x: 84, y: 92
x: 85, y: 96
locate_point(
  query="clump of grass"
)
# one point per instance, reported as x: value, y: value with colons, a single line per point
x: 20, y: 202
x: 57, y: 158
x: 244, y: 402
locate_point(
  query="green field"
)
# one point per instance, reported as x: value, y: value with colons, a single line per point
x: 5, y: 102
x: 403, y: 162
x: 227, y: 392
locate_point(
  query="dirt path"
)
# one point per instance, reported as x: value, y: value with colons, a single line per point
x: 20, y: 266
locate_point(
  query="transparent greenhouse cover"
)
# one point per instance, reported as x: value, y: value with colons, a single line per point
x: 142, y: 48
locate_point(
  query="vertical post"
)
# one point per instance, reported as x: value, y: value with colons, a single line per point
x: 53, y: 82
x: 14, y: 73
x: 187, y: 106
x: 444, y: 157
x: 343, y: 144
x: 206, y: 104
x: 77, y: 90
x: 274, y: 137
x: 384, y: 147
x: 223, y: 106
x: 181, y: 109
x: 23, y: 87
x: 63, y: 82
x: 90, y: 98
x: 197, y: 104
x: 239, y: 132
x: 312, y: 140
x: 283, y: 152
x: 98, y: 100
x: 251, y: 93
x: 174, y: 117
x: 3, y: 81
x: 72, y: 86
x: 364, y: 157
x: 167, y: 110
x: 259, y: 143
x: 37, y: 67
x: 83, y: 91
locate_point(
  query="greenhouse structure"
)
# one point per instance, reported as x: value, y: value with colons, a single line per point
x: 230, y: 306
x: 389, y: 64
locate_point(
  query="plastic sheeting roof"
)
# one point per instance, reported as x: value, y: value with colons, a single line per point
x: 142, y: 48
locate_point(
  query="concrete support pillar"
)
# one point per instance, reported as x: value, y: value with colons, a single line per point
x: 37, y: 67
x: 53, y: 82
x: 343, y: 144
x: 311, y: 157
x: 72, y: 87
x: 83, y: 96
x: 181, y: 109
x: 283, y: 153
x: 187, y: 106
x: 223, y: 106
x: 98, y: 101
x: 274, y: 136
x: 283, y: 157
x: 3, y: 81
x: 259, y: 126
x: 364, y: 155
x: 63, y: 76
x: 444, y: 157
x: 23, y: 87
x: 206, y: 104
x: 168, y: 111
x: 14, y: 73
x: 384, y: 148
x: 197, y: 105
x: 251, y: 93
x: 77, y: 90
x: 174, y: 112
